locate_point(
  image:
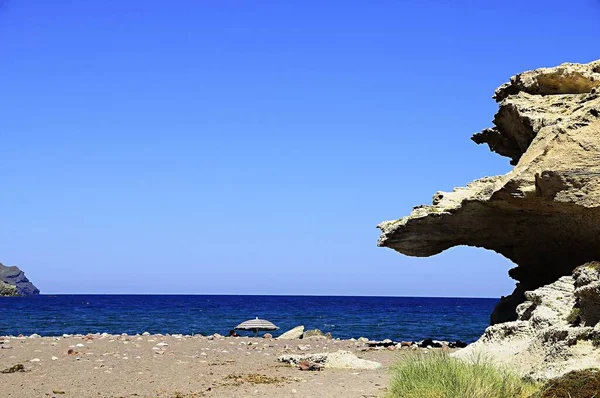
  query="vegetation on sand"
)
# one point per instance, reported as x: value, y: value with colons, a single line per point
x: 437, y: 375
x: 576, y: 384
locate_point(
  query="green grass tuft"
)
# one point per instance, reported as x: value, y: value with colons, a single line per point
x: 440, y: 376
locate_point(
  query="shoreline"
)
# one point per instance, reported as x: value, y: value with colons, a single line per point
x: 385, y: 343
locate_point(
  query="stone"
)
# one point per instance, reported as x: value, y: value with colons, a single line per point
x: 543, y: 214
x: 383, y: 343
x: 267, y: 336
x: 457, y: 344
x: 430, y: 343
x: 336, y: 360
x: 553, y: 334
x: 309, y: 366
x: 292, y: 334
x: 15, y: 277
x: 315, y: 333
x: 146, y: 334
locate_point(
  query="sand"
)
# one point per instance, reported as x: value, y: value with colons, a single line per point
x: 182, y: 366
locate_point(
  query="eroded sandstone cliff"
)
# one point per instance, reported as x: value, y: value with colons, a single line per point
x: 543, y: 215
x: 556, y: 330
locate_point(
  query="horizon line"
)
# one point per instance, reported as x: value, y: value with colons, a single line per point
x: 258, y: 295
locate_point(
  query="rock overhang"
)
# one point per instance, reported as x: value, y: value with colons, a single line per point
x: 544, y: 214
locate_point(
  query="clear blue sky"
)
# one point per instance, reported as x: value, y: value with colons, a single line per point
x: 252, y: 147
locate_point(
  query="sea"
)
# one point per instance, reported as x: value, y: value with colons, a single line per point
x: 377, y: 318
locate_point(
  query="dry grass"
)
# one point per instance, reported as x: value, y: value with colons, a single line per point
x: 14, y: 369
x: 576, y: 384
x: 254, y: 378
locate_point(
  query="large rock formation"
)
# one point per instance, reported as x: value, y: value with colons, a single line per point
x: 557, y: 329
x: 544, y: 215
x: 15, y: 277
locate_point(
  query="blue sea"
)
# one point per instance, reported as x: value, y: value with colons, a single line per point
x: 396, y: 318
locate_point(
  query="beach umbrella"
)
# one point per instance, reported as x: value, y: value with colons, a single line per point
x: 255, y: 325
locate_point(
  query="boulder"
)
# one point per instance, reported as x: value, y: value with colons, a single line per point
x: 430, y: 343
x: 316, y: 333
x: 337, y: 360
x: 292, y: 334
x: 543, y: 215
x: 556, y: 331
x: 15, y: 277
x: 309, y: 366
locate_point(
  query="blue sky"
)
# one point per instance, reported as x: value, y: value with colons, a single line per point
x: 252, y: 147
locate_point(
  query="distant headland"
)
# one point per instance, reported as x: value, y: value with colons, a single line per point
x: 13, y: 282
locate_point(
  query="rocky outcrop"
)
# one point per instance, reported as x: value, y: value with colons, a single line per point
x: 556, y: 330
x: 543, y: 215
x: 15, y: 277
x: 7, y: 290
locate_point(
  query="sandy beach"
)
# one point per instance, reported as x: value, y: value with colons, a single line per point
x: 182, y: 366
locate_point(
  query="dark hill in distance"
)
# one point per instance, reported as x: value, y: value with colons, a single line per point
x: 14, y: 276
